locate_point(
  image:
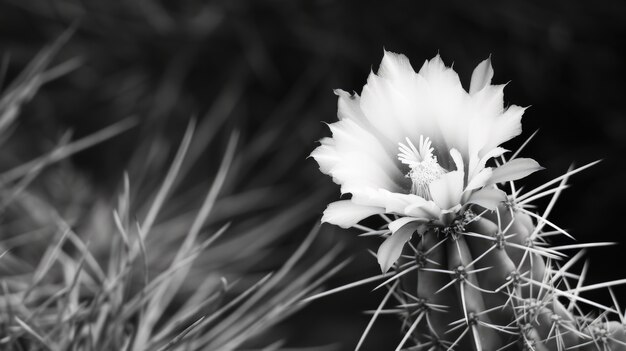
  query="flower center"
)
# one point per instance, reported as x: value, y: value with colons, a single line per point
x: 423, y: 165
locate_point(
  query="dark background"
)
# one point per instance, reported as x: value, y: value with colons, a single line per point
x: 272, y: 66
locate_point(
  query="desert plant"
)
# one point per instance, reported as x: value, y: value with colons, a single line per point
x: 470, y: 266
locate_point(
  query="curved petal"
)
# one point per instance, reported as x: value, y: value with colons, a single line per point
x: 514, y: 170
x: 356, y: 160
x: 346, y: 214
x: 401, y: 222
x: 395, y: 67
x: 397, y: 103
x: 391, y: 249
x: 479, y: 165
x: 481, y: 76
x: 484, y: 110
x: 445, y: 106
x: 388, y: 98
x: 325, y: 155
x: 425, y: 209
x: 505, y: 127
x: 458, y: 160
x: 400, y: 103
x: 397, y: 203
x: 390, y: 201
x: 479, y: 180
x: 488, y: 198
x: 447, y: 190
x: 349, y: 107
x: 436, y: 72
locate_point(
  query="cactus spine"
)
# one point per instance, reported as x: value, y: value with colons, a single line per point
x: 471, y: 265
x: 490, y: 281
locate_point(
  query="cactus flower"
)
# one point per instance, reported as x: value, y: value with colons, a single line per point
x: 478, y: 274
x: 418, y: 146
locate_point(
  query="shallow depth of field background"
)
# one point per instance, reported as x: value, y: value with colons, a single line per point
x: 269, y: 67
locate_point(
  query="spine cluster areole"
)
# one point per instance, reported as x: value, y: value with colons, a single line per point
x: 491, y: 281
x: 466, y: 258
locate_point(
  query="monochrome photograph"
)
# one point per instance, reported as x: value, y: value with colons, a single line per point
x: 315, y: 175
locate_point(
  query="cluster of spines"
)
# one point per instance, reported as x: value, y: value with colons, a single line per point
x: 537, y: 319
x: 443, y: 306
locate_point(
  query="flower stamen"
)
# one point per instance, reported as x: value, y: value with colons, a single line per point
x: 423, y: 165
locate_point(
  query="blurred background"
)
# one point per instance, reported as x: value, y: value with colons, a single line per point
x: 268, y: 69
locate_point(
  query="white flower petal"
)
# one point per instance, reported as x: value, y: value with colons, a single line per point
x: 398, y: 104
x: 409, y: 205
x: 505, y: 127
x: 496, y: 152
x: 514, y: 170
x: 391, y: 249
x: 346, y: 214
x: 395, y: 66
x: 325, y: 155
x: 349, y: 107
x: 391, y: 202
x: 479, y: 180
x: 447, y: 190
x: 401, y: 222
x: 484, y: 111
x: 458, y: 160
x: 425, y: 210
x: 481, y: 76
x: 489, y: 198
x: 388, y: 99
x: 396, y: 203
x: 436, y: 72
x: 445, y: 106
x: 356, y: 160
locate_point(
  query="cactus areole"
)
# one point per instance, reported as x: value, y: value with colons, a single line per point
x: 467, y: 263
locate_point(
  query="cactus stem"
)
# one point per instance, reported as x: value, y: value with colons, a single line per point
x: 482, y: 256
x: 512, y: 279
x: 479, y: 288
x: 508, y: 226
x: 437, y: 270
x: 447, y: 286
